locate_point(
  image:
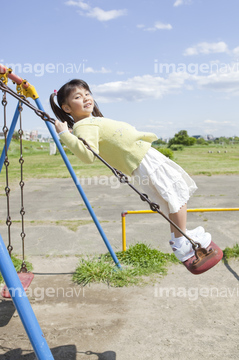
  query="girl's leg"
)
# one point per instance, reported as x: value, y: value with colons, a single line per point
x: 180, y: 219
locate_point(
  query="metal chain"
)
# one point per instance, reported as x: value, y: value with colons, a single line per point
x: 21, y: 183
x: 42, y: 114
x: 6, y: 163
x: 121, y: 177
x: 144, y: 197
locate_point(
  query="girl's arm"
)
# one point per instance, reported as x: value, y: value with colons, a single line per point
x: 89, y: 133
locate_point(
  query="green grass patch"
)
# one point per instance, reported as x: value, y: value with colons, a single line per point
x: 230, y: 253
x: 209, y: 160
x: 17, y: 264
x: 139, y: 264
x: 38, y: 163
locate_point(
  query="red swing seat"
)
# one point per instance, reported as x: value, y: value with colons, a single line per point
x: 25, y: 278
x: 204, y: 259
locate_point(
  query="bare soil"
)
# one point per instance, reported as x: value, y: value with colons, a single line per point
x: 180, y: 316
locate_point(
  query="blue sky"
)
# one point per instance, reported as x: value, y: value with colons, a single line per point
x: 161, y: 65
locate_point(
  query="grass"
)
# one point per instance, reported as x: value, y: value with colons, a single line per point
x: 17, y: 264
x: 139, y: 261
x: 197, y: 160
x: 38, y: 163
x: 139, y: 264
x: 230, y: 253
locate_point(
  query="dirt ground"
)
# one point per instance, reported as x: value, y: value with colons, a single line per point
x: 180, y: 316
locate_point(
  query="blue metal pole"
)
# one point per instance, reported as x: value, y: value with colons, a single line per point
x: 79, y: 187
x: 9, y: 137
x: 23, y: 306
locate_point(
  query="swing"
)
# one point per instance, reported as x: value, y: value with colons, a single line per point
x: 25, y: 276
x: 204, y: 259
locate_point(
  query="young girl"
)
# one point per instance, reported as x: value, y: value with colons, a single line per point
x: 129, y: 151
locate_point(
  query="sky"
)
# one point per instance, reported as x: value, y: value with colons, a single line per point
x: 160, y: 65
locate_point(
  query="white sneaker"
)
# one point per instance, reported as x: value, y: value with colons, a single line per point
x: 198, y: 231
x: 183, y: 249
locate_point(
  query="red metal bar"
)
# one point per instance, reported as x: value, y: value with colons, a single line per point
x: 14, y: 77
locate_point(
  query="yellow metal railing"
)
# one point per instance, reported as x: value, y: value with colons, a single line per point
x: 123, y: 215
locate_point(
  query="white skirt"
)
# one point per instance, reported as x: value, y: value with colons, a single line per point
x: 164, y: 181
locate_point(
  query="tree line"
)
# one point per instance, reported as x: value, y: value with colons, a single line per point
x: 182, y: 138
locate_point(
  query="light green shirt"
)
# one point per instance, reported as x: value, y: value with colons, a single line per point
x: 118, y: 143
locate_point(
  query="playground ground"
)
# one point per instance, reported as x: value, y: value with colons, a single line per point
x: 180, y: 316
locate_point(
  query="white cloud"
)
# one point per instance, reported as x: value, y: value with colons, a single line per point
x: 160, y: 26
x: 80, y: 4
x: 236, y: 51
x: 181, y: 2
x: 210, y: 121
x: 220, y: 82
x: 139, y: 88
x: 145, y: 87
x: 206, y: 48
x: 96, y: 12
x: 93, y: 71
x: 157, y: 26
x: 178, y: 2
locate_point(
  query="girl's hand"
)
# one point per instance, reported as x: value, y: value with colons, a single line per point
x: 60, y: 126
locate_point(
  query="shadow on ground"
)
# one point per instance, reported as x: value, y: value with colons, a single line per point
x: 59, y: 353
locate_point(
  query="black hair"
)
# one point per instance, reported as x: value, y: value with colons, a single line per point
x: 62, y: 96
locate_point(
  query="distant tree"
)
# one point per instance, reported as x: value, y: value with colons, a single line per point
x: 201, y: 141
x: 159, y: 142
x: 16, y: 135
x: 182, y: 138
x: 221, y: 140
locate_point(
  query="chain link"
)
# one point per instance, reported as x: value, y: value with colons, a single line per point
x: 42, y: 114
x: 21, y: 183
x: 6, y: 163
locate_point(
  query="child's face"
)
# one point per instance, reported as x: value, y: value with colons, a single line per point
x: 80, y: 104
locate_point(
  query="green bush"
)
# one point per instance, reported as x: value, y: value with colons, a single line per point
x: 166, y: 152
x: 182, y: 138
x: 176, y: 147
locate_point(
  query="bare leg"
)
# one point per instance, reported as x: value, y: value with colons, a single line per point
x: 180, y: 219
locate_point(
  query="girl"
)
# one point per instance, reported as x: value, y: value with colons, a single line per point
x: 129, y: 151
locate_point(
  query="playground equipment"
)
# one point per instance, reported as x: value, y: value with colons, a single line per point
x: 203, y: 260
x: 24, y: 90
x: 14, y: 282
x: 133, y: 212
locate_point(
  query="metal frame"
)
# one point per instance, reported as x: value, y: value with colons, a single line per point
x: 124, y: 213
x: 7, y: 269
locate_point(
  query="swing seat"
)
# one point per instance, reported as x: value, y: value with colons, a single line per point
x: 25, y: 278
x: 204, y: 259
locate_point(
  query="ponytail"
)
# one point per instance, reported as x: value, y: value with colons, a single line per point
x: 62, y: 96
x: 96, y: 111
x: 60, y: 114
